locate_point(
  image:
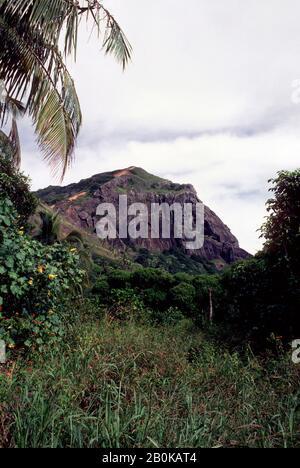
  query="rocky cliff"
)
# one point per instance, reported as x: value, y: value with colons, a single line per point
x: 78, y: 203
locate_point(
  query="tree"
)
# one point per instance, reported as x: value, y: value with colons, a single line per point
x: 49, y: 228
x: 260, y: 298
x: 282, y: 229
x: 14, y: 185
x: 33, y: 69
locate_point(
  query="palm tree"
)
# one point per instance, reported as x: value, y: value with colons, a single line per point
x: 33, y: 69
x: 50, y: 228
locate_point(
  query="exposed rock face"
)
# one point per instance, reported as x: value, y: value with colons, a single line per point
x: 79, y: 202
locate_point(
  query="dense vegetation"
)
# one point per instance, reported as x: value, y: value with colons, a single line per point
x: 174, y: 261
x: 148, y: 357
x: 261, y: 297
x: 134, y: 385
x: 13, y: 184
x: 256, y: 301
x: 151, y: 351
x: 33, y: 277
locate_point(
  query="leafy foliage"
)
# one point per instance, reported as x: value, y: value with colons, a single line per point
x: 14, y: 185
x: 183, y: 296
x: 174, y: 261
x: 132, y: 385
x: 33, y: 69
x: 33, y: 281
x: 260, y: 298
x: 256, y: 301
x: 48, y: 232
x: 282, y: 229
x: 156, y: 295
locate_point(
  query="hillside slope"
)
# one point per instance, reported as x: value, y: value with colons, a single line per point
x: 78, y: 203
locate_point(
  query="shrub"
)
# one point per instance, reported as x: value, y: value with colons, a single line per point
x: 155, y: 298
x: 258, y: 300
x: 15, y: 186
x: 160, y: 291
x: 261, y: 297
x: 281, y: 229
x: 144, y: 257
x: 170, y: 316
x: 183, y: 278
x: 119, y: 279
x: 34, y: 279
x: 101, y: 288
x: 151, y: 278
x: 126, y: 304
x: 183, y: 296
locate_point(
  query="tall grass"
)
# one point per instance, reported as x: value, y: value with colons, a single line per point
x: 127, y: 385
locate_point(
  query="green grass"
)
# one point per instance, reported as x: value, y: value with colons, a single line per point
x: 132, y: 385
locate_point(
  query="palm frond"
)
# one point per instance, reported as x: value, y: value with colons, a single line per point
x: 49, y: 229
x: 57, y: 116
x: 15, y: 142
x: 52, y: 99
x: 32, y: 67
x: 49, y: 17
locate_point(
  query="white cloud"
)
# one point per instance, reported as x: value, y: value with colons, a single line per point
x: 219, y: 70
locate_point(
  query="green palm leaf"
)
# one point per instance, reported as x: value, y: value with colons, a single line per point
x: 32, y: 67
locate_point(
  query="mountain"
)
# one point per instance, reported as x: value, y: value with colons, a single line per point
x: 78, y: 203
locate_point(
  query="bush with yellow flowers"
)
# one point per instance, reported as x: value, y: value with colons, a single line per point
x: 34, y: 281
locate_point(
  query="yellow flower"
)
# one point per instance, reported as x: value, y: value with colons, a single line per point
x: 73, y: 250
x: 11, y: 346
x: 52, y: 277
x: 21, y: 232
x: 40, y: 269
x: 49, y: 294
x: 30, y: 282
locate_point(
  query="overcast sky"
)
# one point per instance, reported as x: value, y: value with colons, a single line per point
x: 206, y: 100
